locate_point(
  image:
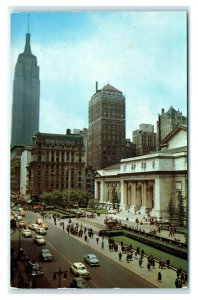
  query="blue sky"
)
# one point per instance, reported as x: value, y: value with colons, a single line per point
x: 142, y: 53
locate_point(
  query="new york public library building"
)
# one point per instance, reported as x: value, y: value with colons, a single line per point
x: 151, y: 184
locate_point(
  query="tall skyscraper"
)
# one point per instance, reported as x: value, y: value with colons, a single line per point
x: 106, y: 135
x: 26, y: 98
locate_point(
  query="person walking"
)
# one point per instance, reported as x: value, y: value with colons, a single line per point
x: 97, y: 240
x: 120, y: 255
x: 102, y: 245
x: 176, y: 283
x: 159, y: 277
x: 140, y: 262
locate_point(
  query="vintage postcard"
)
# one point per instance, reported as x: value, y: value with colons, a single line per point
x: 98, y: 150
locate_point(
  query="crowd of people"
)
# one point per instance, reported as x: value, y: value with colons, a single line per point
x: 125, y: 252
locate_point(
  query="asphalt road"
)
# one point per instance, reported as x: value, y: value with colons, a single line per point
x: 66, y: 250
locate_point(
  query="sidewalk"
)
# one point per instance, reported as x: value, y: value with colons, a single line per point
x: 168, y: 275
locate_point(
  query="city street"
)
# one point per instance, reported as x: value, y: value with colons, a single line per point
x: 66, y: 250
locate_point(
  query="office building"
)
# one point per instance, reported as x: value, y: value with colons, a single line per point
x: 26, y: 97
x: 145, y: 139
x: 106, y: 135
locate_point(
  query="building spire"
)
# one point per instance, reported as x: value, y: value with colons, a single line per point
x: 27, y: 43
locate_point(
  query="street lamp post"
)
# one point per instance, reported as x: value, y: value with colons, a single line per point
x: 59, y: 274
x: 19, y: 245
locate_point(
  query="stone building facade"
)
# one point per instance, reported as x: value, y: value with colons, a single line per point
x: 106, y: 135
x: 148, y: 183
x: 15, y: 165
x: 57, y: 162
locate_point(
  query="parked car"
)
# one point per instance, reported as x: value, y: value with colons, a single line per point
x: 79, y: 269
x: 33, y: 226
x: 41, y: 230
x: 91, y: 259
x: 46, y: 255
x: 23, y: 254
x: 39, y: 240
x: 27, y: 233
x: 34, y: 268
x: 112, y: 212
x: 78, y: 282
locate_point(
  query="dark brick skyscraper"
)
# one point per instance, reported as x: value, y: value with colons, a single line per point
x: 106, y: 136
x: 26, y: 98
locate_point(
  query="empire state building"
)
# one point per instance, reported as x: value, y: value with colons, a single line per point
x: 26, y: 98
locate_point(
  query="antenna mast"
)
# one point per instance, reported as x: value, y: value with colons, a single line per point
x: 28, y: 22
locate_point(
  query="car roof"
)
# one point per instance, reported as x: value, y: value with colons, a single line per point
x: 78, y: 264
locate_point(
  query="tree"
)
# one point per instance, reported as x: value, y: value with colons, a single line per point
x: 93, y: 203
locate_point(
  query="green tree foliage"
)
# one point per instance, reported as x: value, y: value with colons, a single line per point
x: 68, y: 198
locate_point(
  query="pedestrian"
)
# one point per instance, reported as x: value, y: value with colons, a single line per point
x: 179, y: 283
x: 102, y: 245
x: 97, y: 240
x: 176, y: 283
x: 153, y: 263
x: 120, y: 256
x: 168, y: 263
x: 159, y: 277
x: 140, y: 262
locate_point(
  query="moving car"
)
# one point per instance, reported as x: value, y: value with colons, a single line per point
x: 79, y: 269
x: 23, y: 254
x: 19, y: 218
x: 33, y: 226
x: 78, y: 282
x: 22, y: 224
x: 27, y: 233
x: 39, y: 221
x: 34, y: 268
x: 46, y: 255
x: 91, y: 259
x: 41, y: 230
x: 44, y: 225
x: 39, y: 240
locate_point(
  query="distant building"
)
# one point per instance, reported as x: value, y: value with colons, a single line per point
x: 145, y: 139
x: 167, y: 122
x: 130, y: 149
x: 57, y: 162
x: 26, y: 98
x: 106, y: 134
x: 15, y: 169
